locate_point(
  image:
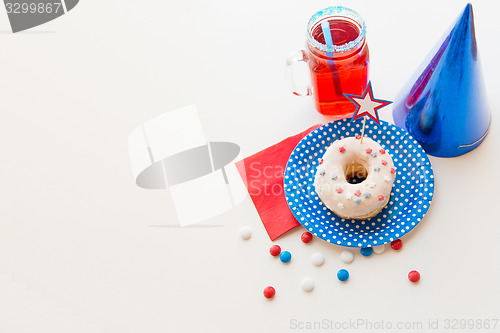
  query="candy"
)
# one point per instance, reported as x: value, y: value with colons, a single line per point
x: 366, y: 251
x: 376, y: 168
x: 347, y: 256
x: 339, y: 190
x: 307, y: 284
x: 379, y: 249
x: 320, y: 161
x: 381, y: 197
x: 322, y: 172
x: 245, y: 232
x: 342, y: 275
x: 368, y: 150
x: 357, y: 201
x: 384, y: 162
x: 393, y: 170
x: 358, y: 136
x: 306, y: 237
x: 317, y: 259
x: 397, y: 244
x: 334, y: 177
x: 285, y: 256
x: 341, y: 149
x: 357, y: 193
x: 367, y: 195
x: 275, y: 250
x: 414, y: 276
x: 269, y: 292
x: 382, y: 151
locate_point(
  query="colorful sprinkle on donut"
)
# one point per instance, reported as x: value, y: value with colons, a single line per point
x: 320, y: 161
x: 381, y: 198
x: 357, y: 193
x: 367, y: 195
x: 357, y: 201
x: 339, y: 190
x: 374, y: 154
x: 393, y: 170
x: 358, y: 136
x: 342, y: 149
x: 377, y: 168
x: 382, y: 151
x: 384, y: 162
x: 322, y: 172
x: 387, y: 179
x: 340, y: 205
x: 348, y: 196
x: 334, y: 177
x: 368, y: 150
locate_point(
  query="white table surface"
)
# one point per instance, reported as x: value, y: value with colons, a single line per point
x: 83, y: 249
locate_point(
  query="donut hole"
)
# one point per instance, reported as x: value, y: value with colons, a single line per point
x: 356, y: 173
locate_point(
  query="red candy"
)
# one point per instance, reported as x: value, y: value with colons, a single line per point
x: 342, y: 149
x: 358, y: 136
x: 381, y: 197
x: 339, y: 190
x: 306, y: 237
x: 275, y: 250
x: 384, y: 162
x: 382, y: 151
x: 357, y: 193
x: 269, y: 292
x: 414, y: 276
x: 368, y: 150
x: 397, y: 244
x: 393, y: 170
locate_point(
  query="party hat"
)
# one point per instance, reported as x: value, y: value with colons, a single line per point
x: 444, y: 106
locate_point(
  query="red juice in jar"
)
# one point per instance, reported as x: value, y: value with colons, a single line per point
x: 339, y: 68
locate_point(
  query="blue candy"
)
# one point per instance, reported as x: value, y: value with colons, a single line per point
x: 285, y: 256
x: 342, y: 275
x: 366, y: 251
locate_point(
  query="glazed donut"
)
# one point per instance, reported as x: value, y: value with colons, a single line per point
x: 349, y: 159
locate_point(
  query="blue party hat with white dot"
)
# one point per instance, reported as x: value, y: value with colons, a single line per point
x: 444, y: 106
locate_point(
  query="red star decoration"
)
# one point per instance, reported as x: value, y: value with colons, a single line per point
x: 367, y: 105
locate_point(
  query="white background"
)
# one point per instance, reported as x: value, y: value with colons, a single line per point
x: 82, y: 249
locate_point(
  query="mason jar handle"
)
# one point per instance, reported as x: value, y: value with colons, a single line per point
x: 294, y: 58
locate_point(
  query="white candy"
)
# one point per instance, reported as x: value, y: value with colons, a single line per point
x: 307, y: 284
x: 347, y: 256
x: 245, y: 232
x: 317, y: 259
x: 379, y: 249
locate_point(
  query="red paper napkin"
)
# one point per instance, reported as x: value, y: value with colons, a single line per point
x: 263, y: 176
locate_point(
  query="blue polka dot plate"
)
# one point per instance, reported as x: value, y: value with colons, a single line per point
x: 410, y: 198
